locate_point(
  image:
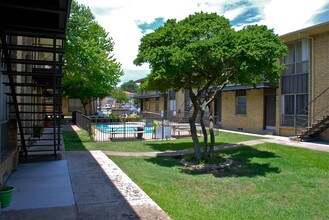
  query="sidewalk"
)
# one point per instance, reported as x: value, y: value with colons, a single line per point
x: 84, y: 185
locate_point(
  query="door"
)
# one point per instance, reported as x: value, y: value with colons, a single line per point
x: 270, y: 112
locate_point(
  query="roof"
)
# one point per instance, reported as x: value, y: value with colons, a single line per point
x: 246, y: 87
x: 140, y: 80
x: 306, y: 32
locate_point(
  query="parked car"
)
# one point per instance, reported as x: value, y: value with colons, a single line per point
x: 132, y: 108
x: 106, y: 107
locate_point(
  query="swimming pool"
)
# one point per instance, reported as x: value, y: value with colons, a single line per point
x: 108, y: 128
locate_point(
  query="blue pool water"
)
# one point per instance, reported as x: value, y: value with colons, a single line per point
x: 108, y: 128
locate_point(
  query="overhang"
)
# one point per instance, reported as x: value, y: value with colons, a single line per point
x: 306, y: 32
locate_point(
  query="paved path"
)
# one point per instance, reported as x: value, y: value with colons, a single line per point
x: 85, y: 185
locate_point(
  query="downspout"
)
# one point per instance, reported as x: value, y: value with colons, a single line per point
x: 312, y: 84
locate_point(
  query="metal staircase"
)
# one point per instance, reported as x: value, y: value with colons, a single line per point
x: 319, y: 120
x: 33, y: 66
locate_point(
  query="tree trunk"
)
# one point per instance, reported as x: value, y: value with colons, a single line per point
x: 211, y: 131
x: 84, y: 104
x: 205, y: 136
x: 194, y: 135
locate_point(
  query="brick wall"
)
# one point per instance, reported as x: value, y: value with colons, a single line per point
x: 7, y: 165
x: 9, y: 158
x: 321, y: 70
x: 253, y: 121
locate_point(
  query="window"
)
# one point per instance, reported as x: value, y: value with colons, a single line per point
x: 294, y: 108
x: 297, y: 58
x: 294, y: 84
x: 241, y: 102
x: 172, y: 103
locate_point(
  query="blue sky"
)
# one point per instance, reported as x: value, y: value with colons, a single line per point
x: 127, y: 21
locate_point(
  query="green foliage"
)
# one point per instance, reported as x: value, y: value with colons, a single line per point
x: 38, y: 129
x: 129, y: 86
x: 119, y: 95
x: 133, y: 118
x: 203, y: 52
x: 90, y: 70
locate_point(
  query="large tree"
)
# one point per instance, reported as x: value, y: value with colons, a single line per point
x: 202, y: 53
x: 90, y: 70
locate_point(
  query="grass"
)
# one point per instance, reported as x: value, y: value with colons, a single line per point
x: 80, y: 141
x: 267, y: 181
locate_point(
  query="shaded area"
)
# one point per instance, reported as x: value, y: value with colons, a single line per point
x: 243, y: 164
x: 73, y: 141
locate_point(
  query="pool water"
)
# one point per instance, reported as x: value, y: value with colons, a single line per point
x: 106, y: 128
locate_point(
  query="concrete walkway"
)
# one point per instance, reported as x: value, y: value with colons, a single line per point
x: 84, y: 185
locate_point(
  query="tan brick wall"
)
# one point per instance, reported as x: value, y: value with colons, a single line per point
x: 65, y: 106
x: 7, y: 165
x: 321, y: 63
x: 9, y: 158
x: 161, y: 103
x: 253, y: 121
x: 152, y: 105
x: 321, y: 76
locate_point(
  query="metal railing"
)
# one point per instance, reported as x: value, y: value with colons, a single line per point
x: 82, y: 121
x: 319, y: 107
x: 126, y: 128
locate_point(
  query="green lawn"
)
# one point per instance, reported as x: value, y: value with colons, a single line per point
x: 81, y: 141
x: 267, y: 181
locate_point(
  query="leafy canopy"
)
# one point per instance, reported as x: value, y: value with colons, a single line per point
x: 90, y: 70
x: 202, y: 54
x: 203, y: 49
x: 130, y: 86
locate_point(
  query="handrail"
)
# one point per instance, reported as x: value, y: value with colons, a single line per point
x: 301, y: 120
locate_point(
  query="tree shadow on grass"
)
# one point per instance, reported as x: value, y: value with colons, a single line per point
x: 243, y: 164
x: 179, y: 144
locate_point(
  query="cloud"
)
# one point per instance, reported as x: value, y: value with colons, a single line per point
x: 287, y: 16
x: 133, y: 74
x: 322, y: 15
x: 128, y: 20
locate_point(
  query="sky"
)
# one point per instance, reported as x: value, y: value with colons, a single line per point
x: 127, y: 21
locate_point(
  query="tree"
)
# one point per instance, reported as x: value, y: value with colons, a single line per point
x: 120, y: 96
x: 90, y: 70
x: 202, y: 54
x: 130, y: 86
